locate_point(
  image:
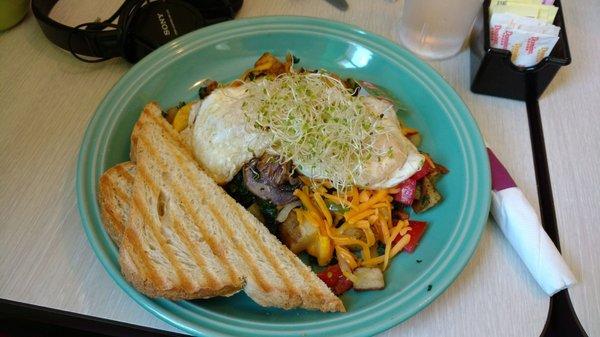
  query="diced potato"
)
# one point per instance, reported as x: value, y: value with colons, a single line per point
x: 428, y: 198
x: 368, y: 279
x: 418, y: 191
x: 437, y: 173
x: 297, y: 237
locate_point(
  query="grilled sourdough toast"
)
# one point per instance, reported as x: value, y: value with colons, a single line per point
x: 186, y: 238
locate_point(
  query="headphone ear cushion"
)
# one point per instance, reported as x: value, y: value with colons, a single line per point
x: 146, y: 26
x: 128, y: 12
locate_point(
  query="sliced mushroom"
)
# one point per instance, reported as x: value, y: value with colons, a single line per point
x: 269, y: 180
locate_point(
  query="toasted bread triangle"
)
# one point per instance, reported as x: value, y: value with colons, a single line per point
x: 167, y: 248
x: 187, y: 238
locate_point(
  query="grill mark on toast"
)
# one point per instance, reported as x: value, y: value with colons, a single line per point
x: 114, y: 219
x: 139, y: 257
x: 123, y: 198
x: 136, y: 130
x: 154, y: 227
x: 120, y: 194
x: 121, y: 171
x: 276, y: 264
x: 256, y: 274
x: 109, y: 189
x: 214, y: 246
x: 210, y: 279
x: 264, y: 250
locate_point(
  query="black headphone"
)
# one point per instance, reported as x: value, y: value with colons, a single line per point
x: 141, y: 26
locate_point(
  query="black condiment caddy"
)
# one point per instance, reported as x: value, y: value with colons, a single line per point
x: 493, y: 73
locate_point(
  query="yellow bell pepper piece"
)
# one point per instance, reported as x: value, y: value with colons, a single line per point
x: 322, y: 249
x: 181, y: 117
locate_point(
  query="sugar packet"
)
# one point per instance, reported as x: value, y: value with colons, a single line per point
x: 504, y: 2
x: 532, y: 2
x: 524, y: 23
x: 546, y: 13
x: 527, y: 48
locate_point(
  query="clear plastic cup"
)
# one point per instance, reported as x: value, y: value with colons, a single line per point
x: 437, y: 29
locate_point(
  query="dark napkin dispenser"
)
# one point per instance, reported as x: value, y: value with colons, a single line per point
x: 492, y: 72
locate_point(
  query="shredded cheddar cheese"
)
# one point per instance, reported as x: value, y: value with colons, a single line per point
x: 400, y: 245
x: 361, y: 220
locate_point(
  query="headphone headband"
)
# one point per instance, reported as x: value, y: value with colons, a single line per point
x: 135, y: 34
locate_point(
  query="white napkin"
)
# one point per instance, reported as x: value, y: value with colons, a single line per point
x: 520, y: 224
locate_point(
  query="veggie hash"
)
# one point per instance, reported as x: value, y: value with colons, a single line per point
x: 322, y: 161
x: 359, y: 228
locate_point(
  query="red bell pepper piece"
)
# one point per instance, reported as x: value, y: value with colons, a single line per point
x: 425, y: 170
x: 331, y: 275
x: 406, y: 195
x: 343, y: 286
x: 416, y: 233
x: 335, y: 279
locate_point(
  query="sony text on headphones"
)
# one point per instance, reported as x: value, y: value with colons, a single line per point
x: 136, y: 29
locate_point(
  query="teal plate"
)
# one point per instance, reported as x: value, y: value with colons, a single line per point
x: 223, y: 52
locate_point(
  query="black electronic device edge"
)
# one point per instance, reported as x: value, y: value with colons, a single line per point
x: 24, y: 320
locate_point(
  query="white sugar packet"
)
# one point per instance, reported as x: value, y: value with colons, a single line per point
x: 524, y: 23
x: 527, y: 48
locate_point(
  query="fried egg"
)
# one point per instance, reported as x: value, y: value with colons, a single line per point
x: 224, y: 139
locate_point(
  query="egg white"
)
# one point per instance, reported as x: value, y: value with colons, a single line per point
x: 223, y: 141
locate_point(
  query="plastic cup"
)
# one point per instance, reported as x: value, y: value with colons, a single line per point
x: 437, y: 29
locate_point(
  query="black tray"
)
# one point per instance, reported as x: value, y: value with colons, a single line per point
x: 494, y: 74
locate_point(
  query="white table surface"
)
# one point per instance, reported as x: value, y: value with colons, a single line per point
x: 47, y: 97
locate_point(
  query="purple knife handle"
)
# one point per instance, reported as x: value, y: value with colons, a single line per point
x: 500, y: 178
